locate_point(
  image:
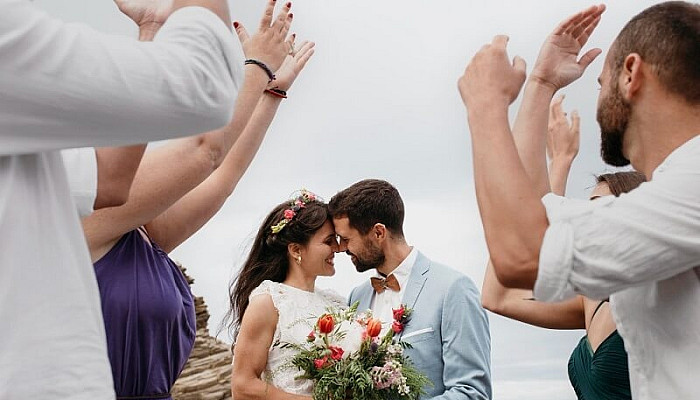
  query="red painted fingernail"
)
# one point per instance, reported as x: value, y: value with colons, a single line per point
x: 291, y: 15
x: 289, y: 5
x: 294, y: 35
x: 235, y: 24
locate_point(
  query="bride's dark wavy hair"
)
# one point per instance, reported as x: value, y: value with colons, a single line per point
x: 268, y: 256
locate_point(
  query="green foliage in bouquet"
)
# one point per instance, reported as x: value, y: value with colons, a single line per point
x: 346, y: 359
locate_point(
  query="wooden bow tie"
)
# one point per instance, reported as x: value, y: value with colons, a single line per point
x: 380, y: 285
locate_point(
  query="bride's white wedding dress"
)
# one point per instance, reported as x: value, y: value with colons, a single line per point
x: 298, y: 311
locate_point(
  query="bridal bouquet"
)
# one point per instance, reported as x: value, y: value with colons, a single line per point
x: 347, y: 359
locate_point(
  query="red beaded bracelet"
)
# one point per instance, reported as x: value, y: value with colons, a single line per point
x: 277, y: 92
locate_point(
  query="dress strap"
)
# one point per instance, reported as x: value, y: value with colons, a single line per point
x: 598, y: 307
x: 143, y: 230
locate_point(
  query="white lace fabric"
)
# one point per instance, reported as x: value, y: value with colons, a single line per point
x: 298, y: 311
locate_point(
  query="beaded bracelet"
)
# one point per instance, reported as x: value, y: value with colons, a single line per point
x: 262, y: 65
x: 277, y: 92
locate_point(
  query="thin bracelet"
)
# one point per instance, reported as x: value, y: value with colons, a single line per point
x: 264, y: 67
x: 277, y: 92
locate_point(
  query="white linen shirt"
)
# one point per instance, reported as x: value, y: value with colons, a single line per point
x: 62, y: 86
x: 642, y: 250
x: 383, y: 303
x: 81, y: 166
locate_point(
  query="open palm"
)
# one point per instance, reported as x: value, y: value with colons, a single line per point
x: 558, y: 63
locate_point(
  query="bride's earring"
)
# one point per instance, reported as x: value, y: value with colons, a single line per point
x: 299, y: 260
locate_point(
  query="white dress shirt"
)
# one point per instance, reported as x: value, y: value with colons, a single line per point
x: 67, y: 86
x: 383, y: 303
x: 643, y: 251
x: 81, y: 166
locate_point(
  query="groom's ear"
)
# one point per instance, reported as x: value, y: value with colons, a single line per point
x: 379, y: 231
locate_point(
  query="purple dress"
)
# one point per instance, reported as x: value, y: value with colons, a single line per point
x: 149, y: 317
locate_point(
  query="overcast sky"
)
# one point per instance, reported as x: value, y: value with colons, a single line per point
x: 379, y: 100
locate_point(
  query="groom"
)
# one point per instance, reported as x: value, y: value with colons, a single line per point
x: 448, y: 330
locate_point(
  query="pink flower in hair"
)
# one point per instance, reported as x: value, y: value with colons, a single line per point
x: 289, y: 214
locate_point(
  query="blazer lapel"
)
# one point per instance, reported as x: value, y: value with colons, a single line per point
x: 416, y: 281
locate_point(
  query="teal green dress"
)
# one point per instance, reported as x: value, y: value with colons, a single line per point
x: 601, y: 375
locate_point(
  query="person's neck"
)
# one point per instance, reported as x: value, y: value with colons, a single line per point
x: 394, y: 254
x: 657, y: 129
x: 297, y: 279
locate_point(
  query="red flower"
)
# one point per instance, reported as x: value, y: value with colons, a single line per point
x: 374, y: 327
x: 311, y: 337
x: 397, y: 327
x: 320, y: 362
x: 336, y: 352
x: 398, y: 313
x: 326, y: 323
x: 289, y: 214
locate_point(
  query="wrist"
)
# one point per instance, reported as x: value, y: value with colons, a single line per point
x: 148, y: 31
x: 537, y: 83
x: 562, y: 160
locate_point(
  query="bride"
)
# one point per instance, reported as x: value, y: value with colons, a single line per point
x: 274, y: 298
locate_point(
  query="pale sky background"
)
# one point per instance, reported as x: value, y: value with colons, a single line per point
x: 379, y: 99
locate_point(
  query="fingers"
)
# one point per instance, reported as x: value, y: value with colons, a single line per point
x: 588, y: 58
x: 305, y: 57
x: 283, y: 18
x: 519, y: 64
x: 583, y: 38
x: 500, y: 41
x: 555, y: 109
x: 241, y: 31
x: 304, y: 48
x: 267, y: 15
x: 571, y: 23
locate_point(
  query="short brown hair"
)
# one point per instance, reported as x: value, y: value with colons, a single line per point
x: 667, y: 36
x: 367, y: 203
x: 621, y: 182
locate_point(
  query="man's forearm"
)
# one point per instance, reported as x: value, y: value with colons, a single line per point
x: 530, y: 132
x: 514, y: 219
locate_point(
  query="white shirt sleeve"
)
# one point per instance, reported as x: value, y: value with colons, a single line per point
x: 600, y: 247
x: 65, y: 85
x: 81, y: 165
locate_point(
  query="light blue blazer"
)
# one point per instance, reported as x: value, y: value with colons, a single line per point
x: 449, y: 330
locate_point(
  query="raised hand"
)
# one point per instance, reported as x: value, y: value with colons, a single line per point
x: 149, y: 15
x: 269, y: 44
x: 491, y: 77
x: 562, y: 136
x: 293, y: 64
x: 558, y: 64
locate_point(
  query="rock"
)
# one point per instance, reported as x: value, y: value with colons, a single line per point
x: 207, y: 374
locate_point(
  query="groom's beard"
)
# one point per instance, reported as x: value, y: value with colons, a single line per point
x: 371, y: 257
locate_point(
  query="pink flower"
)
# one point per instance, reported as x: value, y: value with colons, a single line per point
x: 289, y: 214
x: 311, y: 337
x: 398, y: 313
x: 320, y: 362
x: 336, y: 352
x: 397, y: 327
x: 300, y: 203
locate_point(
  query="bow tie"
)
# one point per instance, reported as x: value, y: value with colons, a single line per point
x: 380, y: 285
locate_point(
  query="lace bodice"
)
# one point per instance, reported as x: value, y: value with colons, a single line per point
x: 298, y: 310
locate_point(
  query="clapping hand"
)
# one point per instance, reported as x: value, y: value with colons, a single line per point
x: 490, y: 78
x: 292, y: 65
x: 269, y: 45
x: 558, y: 64
x: 149, y: 15
x: 562, y: 136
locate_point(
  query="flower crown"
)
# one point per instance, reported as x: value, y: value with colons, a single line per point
x: 297, y: 204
